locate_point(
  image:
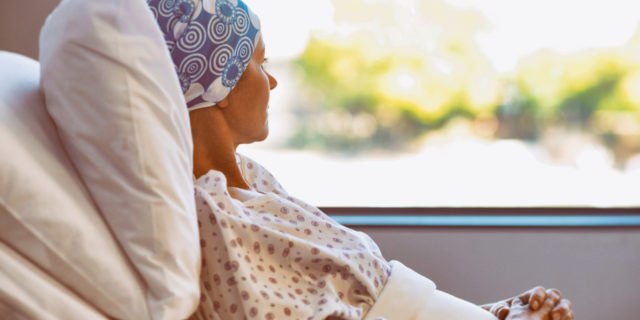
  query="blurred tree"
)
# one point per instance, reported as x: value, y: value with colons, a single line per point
x: 393, y: 71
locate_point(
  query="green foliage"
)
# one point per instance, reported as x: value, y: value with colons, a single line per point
x: 355, y: 98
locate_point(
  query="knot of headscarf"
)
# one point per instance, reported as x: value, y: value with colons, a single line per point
x: 211, y: 43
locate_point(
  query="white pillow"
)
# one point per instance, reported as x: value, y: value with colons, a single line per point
x: 46, y: 213
x: 111, y: 89
x: 27, y: 292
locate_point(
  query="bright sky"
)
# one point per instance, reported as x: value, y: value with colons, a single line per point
x: 522, y: 26
x: 287, y: 24
x: 518, y: 26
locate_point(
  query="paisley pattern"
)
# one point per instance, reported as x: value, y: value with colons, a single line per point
x: 211, y: 43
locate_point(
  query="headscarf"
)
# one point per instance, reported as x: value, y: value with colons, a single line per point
x: 211, y: 43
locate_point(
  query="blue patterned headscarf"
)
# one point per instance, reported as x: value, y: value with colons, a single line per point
x: 211, y: 43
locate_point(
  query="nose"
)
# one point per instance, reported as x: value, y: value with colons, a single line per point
x: 273, y: 83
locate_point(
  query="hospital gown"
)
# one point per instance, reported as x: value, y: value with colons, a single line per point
x: 267, y: 255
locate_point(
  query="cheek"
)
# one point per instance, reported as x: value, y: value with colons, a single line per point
x: 266, y: 84
x: 260, y: 87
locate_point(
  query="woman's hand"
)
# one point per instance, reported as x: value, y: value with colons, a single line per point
x: 534, y: 300
x: 520, y: 311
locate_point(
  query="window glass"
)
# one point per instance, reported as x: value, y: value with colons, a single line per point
x: 454, y: 102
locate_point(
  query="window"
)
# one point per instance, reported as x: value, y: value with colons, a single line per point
x: 454, y: 103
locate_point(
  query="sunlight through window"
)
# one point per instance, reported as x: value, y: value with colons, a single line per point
x: 454, y: 102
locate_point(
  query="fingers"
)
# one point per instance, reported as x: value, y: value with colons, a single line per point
x: 548, y: 302
x: 534, y: 297
x: 500, y: 310
x: 502, y: 313
x: 553, y: 297
x: 562, y: 310
x: 516, y: 303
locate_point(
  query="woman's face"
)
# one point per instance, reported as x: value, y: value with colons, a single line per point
x: 245, y: 108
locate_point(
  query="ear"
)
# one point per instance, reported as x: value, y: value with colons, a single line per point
x: 224, y: 102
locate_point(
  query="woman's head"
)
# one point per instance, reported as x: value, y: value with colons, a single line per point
x: 218, y: 52
x: 244, y: 109
x: 211, y: 42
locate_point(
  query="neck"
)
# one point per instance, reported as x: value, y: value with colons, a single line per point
x: 213, y: 146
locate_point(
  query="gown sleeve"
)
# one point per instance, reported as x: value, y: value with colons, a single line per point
x: 408, y: 295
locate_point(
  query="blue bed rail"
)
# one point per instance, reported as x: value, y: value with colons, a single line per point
x: 489, y: 221
x: 486, y: 217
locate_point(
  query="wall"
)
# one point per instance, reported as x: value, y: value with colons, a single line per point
x: 20, y: 23
x: 598, y: 269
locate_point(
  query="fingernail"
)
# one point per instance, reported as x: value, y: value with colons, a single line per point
x: 535, y: 306
x: 503, y: 313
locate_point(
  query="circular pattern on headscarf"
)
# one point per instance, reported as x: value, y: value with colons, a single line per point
x: 225, y: 11
x: 210, y: 42
x: 232, y: 72
x: 219, y: 58
x: 165, y: 7
x: 193, y: 38
x: 193, y: 67
x: 183, y: 10
x: 218, y: 31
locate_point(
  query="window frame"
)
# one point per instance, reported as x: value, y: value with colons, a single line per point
x: 483, y: 217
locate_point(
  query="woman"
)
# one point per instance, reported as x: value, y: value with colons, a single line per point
x: 267, y: 255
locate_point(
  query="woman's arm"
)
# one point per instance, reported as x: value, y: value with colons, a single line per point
x: 443, y: 306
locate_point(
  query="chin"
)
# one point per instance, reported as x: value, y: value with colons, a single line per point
x: 262, y: 135
x: 265, y: 132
